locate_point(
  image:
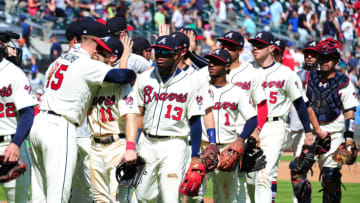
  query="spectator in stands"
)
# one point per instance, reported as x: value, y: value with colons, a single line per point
x: 298, y: 58
x: 303, y: 27
x: 220, y: 11
x: 277, y: 12
x: 55, y: 50
x: 159, y: 16
x: 265, y: 15
x: 33, y: 6
x: 58, y: 7
x: 36, y: 78
x: 321, y: 10
x: 9, y: 8
x: 177, y: 19
x: 353, y: 62
x: 330, y: 27
x: 288, y: 59
x: 121, y: 9
x: 293, y: 24
x: 249, y: 25
x: 97, y: 9
x: 313, y: 26
x: 249, y: 8
x: 347, y: 28
x: 25, y: 29
x: 136, y: 7
x: 27, y: 58
x: 289, y: 12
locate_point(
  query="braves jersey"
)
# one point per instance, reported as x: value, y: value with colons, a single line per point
x: 168, y: 106
x: 229, y: 104
x: 14, y: 95
x: 346, y: 95
x: 70, y: 87
x: 282, y: 86
x: 248, y: 79
x: 110, y: 104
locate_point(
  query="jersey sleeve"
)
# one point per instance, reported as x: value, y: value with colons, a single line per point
x: 22, y: 91
x: 138, y: 63
x: 195, y: 106
x: 139, y: 91
x: 96, y: 71
x: 128, y: 102
x: 293, y: 87
x: 348, y: 97
x: 245, y: 107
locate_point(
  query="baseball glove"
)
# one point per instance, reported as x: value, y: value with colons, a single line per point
x: 193, y: 178
x: 323, y: 145
x: 303, y: 163
x: 210, y: 157
x: 253, y: 158
x: 231, y: 156
x: 129, y: 175
x: 346, y: 153
x: 11, y: 170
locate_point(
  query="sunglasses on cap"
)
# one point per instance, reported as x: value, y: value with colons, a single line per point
x: 310, y: 53
x: 259, y: 45
x: 229, y: 46
x: 164, y: 53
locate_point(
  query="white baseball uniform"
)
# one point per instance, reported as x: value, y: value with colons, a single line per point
x: 106, y: 119
x: 281, y: 86
x: 14, y: 95
x: 167, y: 109
x: 53, y: 136
x: 230, y: 103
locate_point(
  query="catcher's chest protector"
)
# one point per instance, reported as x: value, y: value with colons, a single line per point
x: 324, y: 95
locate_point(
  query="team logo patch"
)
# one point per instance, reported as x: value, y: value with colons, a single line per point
x: 129, y: 100
x: 211, y: 93
x: 258, y: 35
x: 297, y: 85
x: 324, y: 85
x: 229, y: 35
x: 6, y: 91
x: 163, y: 41
x: 199, y: 100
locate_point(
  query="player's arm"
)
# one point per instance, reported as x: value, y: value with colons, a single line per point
x: 304, y: 118
x: 120, y: 76
x: 199, y: 61
x: 195, y: 134
x: 140, y: 124
x: 127, y: 43
x: 131, y: 134
x: 349, y: 123
x: 249, y: 127
x: 315, y: 123
x: 209, y: 123
x: 26, y: 118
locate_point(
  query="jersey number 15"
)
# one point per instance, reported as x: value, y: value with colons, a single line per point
x: 59, y: 76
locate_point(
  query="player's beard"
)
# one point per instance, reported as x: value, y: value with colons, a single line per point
x: 167, y: 68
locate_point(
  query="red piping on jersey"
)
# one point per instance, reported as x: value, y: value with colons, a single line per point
x: 262, y: 113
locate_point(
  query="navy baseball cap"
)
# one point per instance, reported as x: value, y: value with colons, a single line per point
x: 198, y: 37
x: 111, y: 44
x: 234, y: 38
x: 280, y: 44
x: 263, y: 37
x: 220, y: 55
x: 182, y: 39
x: 117, y: 24
x: 93, y: 28
x: 166, y: 42
x: 140, y: 44
x: 311, y: 45
x: 73, y: 30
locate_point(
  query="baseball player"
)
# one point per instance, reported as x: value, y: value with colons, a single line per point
x: 282, y: 87
x: 112, y: 114
x: 16, y: 119
x: 66, y: 100
x: 230, y: 103
x: 333, y: 100
x: 170, y: 108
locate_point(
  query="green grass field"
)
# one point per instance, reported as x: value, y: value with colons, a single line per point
x: 284, y: 194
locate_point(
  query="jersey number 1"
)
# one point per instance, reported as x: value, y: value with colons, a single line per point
x: 58, y: 75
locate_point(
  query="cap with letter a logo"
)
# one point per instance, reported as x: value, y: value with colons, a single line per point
x: 220, y: 55
x: 263, y: 37
x: 166, y: 42
x: 234, y: 38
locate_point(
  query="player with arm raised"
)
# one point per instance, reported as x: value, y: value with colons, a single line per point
x: 67, y: 98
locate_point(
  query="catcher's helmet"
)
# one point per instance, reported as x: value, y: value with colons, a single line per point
x: 330, y: 47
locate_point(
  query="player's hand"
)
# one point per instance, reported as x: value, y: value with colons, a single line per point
x: 11, y: 153
x: 164, y: 29
x: 128, y: 44
x: 255, y: 134
x: 129, y: 157
x: 309, y: 139
x: 321, y: 133
x: 192, y: 39
x: 195, y: 160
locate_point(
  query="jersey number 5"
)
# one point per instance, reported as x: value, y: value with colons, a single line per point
x: 178, y: 114
x: 59, y: 76
x: 273, y: 98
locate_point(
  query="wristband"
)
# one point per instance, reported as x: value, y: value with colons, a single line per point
x: 130, y: 145
x: 211, y: 133
x: 349, y: 128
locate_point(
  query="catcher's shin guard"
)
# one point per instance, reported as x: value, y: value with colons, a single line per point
x: 301, y: 187
x: 331, y: 183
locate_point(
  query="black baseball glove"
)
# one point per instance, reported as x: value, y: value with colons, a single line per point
x: 323, y: 145
x: 11, y: 170
x: 253, y: 158
x: 303, y: 163
x: 129, y: 175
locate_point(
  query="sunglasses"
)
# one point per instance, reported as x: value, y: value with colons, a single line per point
x: 229, y: 47
x: 323, y: 58
x: 259, y: 45
x: 310, y: 53
x: 101, y: 51
x: 164, y: 53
